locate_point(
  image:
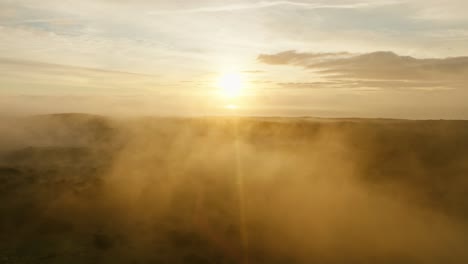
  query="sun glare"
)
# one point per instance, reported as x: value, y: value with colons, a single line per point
x: 231, y: 106
x: 231, y: 84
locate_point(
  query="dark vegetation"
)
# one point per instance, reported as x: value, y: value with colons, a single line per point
x: 89, y: 189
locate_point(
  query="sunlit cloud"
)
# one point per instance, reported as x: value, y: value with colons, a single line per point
x: 268, y: 4
x: 385, y: 70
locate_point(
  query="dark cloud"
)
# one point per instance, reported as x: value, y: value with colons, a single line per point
x: 377, y: 69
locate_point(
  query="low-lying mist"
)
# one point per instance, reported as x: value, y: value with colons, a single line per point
x: 89, y: 189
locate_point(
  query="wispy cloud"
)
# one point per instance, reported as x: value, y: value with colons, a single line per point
x: 54, y: 21
x: 268, y: 4
x: 46, y: 78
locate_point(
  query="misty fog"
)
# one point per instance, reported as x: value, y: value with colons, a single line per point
x: 91, y: 189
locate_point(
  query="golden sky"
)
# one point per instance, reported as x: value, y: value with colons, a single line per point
x: 399, y: 59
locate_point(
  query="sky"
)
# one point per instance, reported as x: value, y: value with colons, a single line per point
x: 335, y: 58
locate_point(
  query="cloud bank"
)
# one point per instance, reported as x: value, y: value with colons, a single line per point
x: 381, y: 69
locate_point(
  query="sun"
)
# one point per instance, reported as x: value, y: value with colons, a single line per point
x: 231, y: 84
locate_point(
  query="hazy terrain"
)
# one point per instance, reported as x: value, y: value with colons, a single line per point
x: 89, y: 189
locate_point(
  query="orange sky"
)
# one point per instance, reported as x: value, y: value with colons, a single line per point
x: 400, y: 59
